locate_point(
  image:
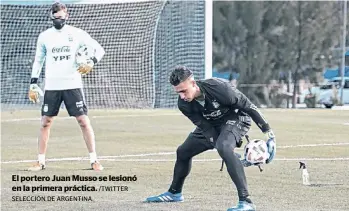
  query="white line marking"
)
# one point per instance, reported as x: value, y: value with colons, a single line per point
x: 23, y: 119
x: 347, y: 123
x: 313, y: 145
x: 307, y: 145
x: 219, y: 159
x: 139, y: 155
x: 93, y: 117
x: 312, y: 159
x: 173, y: 160
x: 117, y: 157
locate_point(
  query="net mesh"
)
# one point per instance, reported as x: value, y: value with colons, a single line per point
x: 143, y: 42
x: 180, y: 41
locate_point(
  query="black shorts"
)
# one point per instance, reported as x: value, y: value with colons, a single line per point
x: 232, y: 130
x: 73, y: 100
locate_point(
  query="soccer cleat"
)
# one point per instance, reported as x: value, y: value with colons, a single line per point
x: 166, y: 197
x: 243, y: 206
x: 37, y: 167
x: 96, y: 166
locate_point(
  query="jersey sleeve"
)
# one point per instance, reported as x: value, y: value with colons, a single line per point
x: 89, y: 41
x: 197, y: 119
x: 239, y: 101
x: 40, y: 56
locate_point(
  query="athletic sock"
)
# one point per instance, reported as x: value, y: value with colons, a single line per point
x: 246, y: 199
x: 41, y: 159
x: 93, y: 157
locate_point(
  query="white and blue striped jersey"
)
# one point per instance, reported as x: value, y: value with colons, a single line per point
x: 57, y: 49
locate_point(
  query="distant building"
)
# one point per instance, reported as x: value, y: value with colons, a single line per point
x: 336, y: 72
x: 331, y: 73
x: 228, y: 75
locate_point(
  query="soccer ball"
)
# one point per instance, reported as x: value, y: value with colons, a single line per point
x: 84, y: 54
x: 256, y: 151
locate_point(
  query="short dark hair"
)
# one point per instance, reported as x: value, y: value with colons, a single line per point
x: 180, y: 74
x: 57, y: 6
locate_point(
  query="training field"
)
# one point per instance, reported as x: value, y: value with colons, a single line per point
x: 143, y: 143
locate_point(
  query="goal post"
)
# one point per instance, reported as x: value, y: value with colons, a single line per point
x: 144, y: 41
x: 208, y: 38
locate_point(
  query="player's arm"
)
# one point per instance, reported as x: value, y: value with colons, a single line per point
x: 238, y: 100
x: 40, y: 55
x: 207, y: 129
x: 99, y: 52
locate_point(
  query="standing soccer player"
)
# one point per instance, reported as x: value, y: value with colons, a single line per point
x: 58, y: 45
x: 223, y: 116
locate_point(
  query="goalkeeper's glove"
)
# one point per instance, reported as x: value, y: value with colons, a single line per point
x: 34, y: 91
x: 85, y: 68
x: 271, y: 144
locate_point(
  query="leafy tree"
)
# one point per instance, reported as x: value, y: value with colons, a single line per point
x: 266, y: 40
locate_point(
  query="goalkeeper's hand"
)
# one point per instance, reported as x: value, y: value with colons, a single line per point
x: 271, y: 144
x: 34, y: 92
x: 85, y: 68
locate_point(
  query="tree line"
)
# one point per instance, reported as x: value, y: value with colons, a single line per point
x: 276, y: 40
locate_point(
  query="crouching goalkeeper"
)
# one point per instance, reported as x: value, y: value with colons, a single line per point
x: 58, y: 45
x: 223, y: 116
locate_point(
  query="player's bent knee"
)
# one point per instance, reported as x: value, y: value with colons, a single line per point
x: 46, y: 121
x: 182, y: 154
x: 83, y: 121
x: 224, y: 147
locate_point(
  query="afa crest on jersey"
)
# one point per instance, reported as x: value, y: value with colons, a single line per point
x: 215, y: 104
x: 70, y: 38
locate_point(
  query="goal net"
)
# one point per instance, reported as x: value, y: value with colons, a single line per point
x: 143, y: 40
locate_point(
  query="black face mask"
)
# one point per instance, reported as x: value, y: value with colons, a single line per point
x: 58, y: 23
